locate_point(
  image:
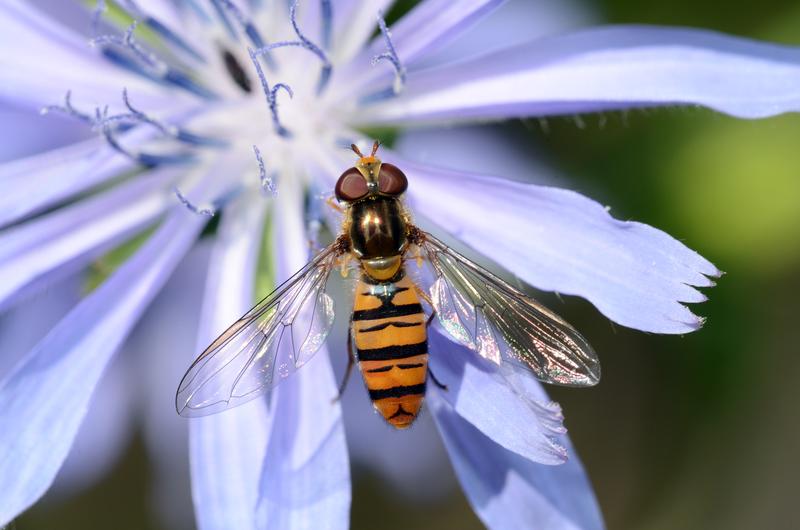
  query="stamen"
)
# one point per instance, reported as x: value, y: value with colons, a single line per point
x: 268, y: 184
x: 171, y: 131
x: 145, y: 159
x: 198, y: 9
x: 136, y: 12
x: 208, y: 212
x: 67, y: 109
x: 104, y: 123
x: 391, y: 56
x: 141, y: 116
x: 99, y: 9
x: 223, y: 17
x: 247, y: 24
x: 153, y: 66
x: 270, y: 93
x: 130, y: 43
x: 326, y: 13
x: 304, y: 42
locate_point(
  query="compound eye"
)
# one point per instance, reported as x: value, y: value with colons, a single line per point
x: 351, y: 186
x: 391, y: 180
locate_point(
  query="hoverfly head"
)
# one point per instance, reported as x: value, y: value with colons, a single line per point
x: 380, y: 178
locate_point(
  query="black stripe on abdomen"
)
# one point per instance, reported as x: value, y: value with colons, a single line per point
x: 388, y: 367
x: 387, y: 312
x: 395, y: 323
x: 388, y: 353
x: 396, y: 392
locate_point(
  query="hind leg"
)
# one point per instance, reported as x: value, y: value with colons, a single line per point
x: 422, y: 294
x: 436, y: 382
x: 430, y: 371
x: 350, y: 362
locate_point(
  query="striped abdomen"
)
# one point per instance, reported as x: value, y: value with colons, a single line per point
x: 392, y: 347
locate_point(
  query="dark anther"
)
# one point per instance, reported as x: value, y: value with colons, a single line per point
x: 237, y: 72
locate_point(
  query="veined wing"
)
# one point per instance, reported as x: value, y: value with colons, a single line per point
x: 500, y: 323
x: 265, y: 346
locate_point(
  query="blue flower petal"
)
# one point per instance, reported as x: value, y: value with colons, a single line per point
x: 167, y: 13
x: 431, y: 24
x: 46, y: 396
x: 162, y: 344
x: 306, y: 475
x: 499, y: 153
x: 61, y: 242
x: 33, y: 184
x: 353, y: 25
x: 558, y: 240
x: 228, y: 449
x: 481, y: 395
x: 513, y: 23
x: 105, y: 433
x: 508, y: 491
x: 423, y: 30
x: 29, y: 138
x: 604, y: 69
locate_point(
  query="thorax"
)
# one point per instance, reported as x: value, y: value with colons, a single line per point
x: 377, y: 230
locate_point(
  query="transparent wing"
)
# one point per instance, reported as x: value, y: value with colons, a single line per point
x: 265, y: 346
x: 500, y: 323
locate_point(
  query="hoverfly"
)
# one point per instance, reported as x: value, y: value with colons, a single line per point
x: 387, y: 325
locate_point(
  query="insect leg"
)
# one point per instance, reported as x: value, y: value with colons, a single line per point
x: 422, y: 294
x: 438, y: 383
x: 433, y: 377
x: 430, y: 319
x: 350, y: 362
x: 329, y: 202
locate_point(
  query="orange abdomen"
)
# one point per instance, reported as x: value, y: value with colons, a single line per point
x: 392, y: 347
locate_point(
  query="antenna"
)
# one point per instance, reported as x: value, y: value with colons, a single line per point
x: 375, y: 147
x: 356, y: 150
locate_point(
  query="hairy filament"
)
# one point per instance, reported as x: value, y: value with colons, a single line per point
x: 149, y: 59
x: 108, y: 126
x: 145, y: 159
x: 198, y: 10
x: 171, y: 131
x: 270, y: 93
x: 222, y: 15
x: 326, y: 13
x: 246, y: 24
x: 268, y: 184
x: 68, y: 109
x: 153, y: 23
x: 97, y: 14
x: 391, y: 56
x: 208, y: 212
x: 148, y: 63
x: 304, y: 42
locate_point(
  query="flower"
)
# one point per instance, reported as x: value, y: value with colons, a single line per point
x: 177, y: 102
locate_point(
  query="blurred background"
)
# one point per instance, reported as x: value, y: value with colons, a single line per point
x: 692, y: 432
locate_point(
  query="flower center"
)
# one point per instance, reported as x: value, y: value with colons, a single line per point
x: 293, y: 74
